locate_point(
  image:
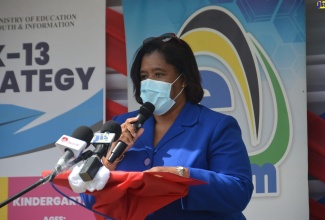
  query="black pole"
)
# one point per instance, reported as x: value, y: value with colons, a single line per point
x: 48, y: 178
x: 39, y: 182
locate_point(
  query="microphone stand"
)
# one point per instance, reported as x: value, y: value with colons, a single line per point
x: 48, y: 178
x: 39, y: 182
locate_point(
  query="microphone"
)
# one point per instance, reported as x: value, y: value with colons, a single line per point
x: 71, y: 147
x: 146, y: 110
x: 109, y: 132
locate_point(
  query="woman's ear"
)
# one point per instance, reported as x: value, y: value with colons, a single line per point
x: 184, y: 83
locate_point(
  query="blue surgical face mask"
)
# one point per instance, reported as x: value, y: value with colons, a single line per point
x: 158, y: 94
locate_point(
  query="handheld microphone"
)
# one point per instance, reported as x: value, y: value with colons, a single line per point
x: 71, y: 147
x: 110, y: 132
x: 146, y: 110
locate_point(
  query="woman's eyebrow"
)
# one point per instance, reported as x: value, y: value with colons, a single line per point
x: 153, y: 69
x: 158, y: 69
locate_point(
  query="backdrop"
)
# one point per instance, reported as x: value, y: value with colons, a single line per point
x: 251, y: 56
x: 256, y: 52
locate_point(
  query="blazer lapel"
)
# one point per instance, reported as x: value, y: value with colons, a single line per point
x: 148, y: 126
x: 187, y: 117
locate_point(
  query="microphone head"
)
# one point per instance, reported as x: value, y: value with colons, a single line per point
x: 112, y: 127
x: 146, y: 110
x: 77, y: 142
x: 83, y: 133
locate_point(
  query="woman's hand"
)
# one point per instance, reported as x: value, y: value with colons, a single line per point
x: 169, y: 170
x: 129, y: 135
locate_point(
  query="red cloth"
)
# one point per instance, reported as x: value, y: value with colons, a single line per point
x: 316, y: 146
x: 316, y: 159
x: 134, y: 195
x: 115, y: 41
x: 316, y: 210
x: 113, y: 108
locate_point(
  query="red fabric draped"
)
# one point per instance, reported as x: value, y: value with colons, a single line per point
x: 316, y: 160
x: 115, y: 55
x: 113, y: 109
x: 134, y: 195
x: 115, y: 41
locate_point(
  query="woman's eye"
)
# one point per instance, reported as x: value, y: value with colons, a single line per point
x: 143, y: 77
x: 158, y: 75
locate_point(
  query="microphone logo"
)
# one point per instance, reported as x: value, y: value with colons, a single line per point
x: 71, y: 143
x: 103, y: 138
x: 64, y: 139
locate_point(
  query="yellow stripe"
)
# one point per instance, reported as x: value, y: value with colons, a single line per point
x: 4, y: 196
x: 205, y: 41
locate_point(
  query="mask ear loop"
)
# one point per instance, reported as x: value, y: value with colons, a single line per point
x: 179, y: 93
x: 183, y: 87
x: 177, y: 78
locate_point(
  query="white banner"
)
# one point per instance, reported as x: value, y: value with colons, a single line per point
x: 52, y: 78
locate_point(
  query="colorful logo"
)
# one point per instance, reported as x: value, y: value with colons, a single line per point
x: 236, y: 64
x: 320, y: 4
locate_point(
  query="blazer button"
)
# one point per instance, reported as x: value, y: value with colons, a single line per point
x: 147, y: 162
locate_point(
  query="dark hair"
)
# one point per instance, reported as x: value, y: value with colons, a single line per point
x: 177, y: 53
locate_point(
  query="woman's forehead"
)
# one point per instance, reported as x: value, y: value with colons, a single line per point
x: 155, y: 61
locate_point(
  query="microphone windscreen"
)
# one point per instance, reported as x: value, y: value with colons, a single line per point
x: 112, y: 127
x: 146, y: 110
x: 83, y: 133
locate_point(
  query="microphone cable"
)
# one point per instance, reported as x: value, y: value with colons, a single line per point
x: 75, y: 201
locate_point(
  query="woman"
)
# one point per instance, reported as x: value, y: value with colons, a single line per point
x: 184, y: 137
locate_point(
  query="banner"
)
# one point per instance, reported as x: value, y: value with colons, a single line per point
x: 254, y: 51
x: 43, y: 202
x: 52, y: 81
x: 52, y: 76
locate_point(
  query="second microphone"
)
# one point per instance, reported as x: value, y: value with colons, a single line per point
x: 109, y: 133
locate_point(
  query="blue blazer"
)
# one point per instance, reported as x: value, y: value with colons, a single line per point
x: 210, y: 145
